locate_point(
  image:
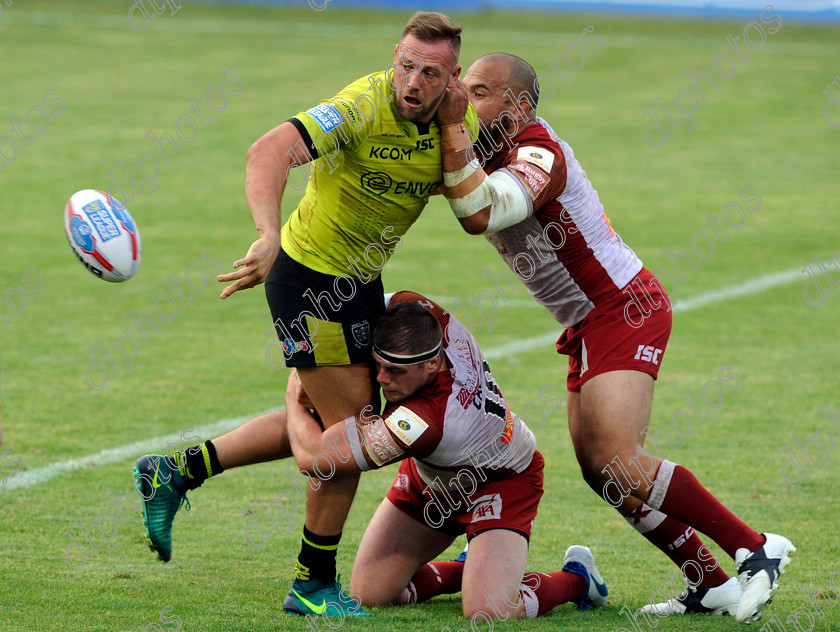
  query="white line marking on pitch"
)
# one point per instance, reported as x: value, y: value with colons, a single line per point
x: 751, y: 286
x: 115, y: 455
x: 156, y: 444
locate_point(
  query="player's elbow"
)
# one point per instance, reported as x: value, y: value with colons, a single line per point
x: 261, y: 148
x: 274, y: 145
x: 305, y: 463
x: 476, y: 224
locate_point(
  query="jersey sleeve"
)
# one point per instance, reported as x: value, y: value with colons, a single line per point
x: 540, y: 172
x: 344, y: 120
x: 400, y: 433
x: 348, y: 118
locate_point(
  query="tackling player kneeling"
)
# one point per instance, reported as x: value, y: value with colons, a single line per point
x: 445, y: 416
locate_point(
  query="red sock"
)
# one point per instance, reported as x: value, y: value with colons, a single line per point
x: 435, y: 578
x: 680, y: 495
x: 689, y: 553
x: 551, y: 589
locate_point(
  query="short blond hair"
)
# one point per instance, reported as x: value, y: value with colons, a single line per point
x: 431, y: 26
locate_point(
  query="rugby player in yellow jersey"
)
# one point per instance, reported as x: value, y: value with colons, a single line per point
x: 374, y: 154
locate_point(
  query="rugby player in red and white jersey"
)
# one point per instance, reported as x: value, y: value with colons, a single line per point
x: 538, y: 208
x: 468, y: 465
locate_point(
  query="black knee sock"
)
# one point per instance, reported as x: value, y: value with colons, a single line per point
x: 317, y: 556
x: 201, y: 463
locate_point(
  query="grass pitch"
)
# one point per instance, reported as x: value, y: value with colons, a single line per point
x: 762, y: 128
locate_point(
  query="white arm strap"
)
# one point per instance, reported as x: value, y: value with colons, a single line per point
x: 511, y: 204
x: 351, y: 431
x: 505, y: 195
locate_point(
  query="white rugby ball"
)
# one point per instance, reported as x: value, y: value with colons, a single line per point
x: 103, y: 235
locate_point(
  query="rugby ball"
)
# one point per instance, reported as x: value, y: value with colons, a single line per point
x: 103, y: 235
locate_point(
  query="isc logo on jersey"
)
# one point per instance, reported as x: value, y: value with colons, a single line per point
x: 406, y: 425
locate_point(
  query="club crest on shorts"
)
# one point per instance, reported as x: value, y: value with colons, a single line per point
x: 361, y: 333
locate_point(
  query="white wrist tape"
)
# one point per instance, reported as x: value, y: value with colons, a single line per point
x: 454, y: 178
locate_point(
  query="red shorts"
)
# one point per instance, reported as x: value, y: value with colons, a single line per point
x: 510, y: 503
x: 628, y: 332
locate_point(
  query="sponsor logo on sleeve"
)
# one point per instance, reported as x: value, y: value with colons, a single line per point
x: 533, y: 179
x: 381, y: 447
x: 543, y: 158
x: 406, y: 425
x: 327, y: 116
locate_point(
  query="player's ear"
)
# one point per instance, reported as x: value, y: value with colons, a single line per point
x: 434, y: 364
x: 456, y: 71
x: 524, y: 109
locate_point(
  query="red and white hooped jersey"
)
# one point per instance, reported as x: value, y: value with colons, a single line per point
x: 459, y: 422
x: 566, y: 252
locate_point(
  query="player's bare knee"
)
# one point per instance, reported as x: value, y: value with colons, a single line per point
x: 595, y: 482
x: 489, y: 604
x: 370, y: 595
x: 360, y: 589
x: 604, y: 464
x: 607, y: 450
x: 493, y: 610
x: 619, y: 466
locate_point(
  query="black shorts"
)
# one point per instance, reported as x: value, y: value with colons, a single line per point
x: 320, y: 319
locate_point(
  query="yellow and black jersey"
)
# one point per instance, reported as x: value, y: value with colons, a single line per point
x: 372, y: 174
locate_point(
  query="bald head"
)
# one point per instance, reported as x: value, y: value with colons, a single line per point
x: 520, y: 75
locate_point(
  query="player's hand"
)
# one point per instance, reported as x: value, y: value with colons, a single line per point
x: 291, y: 385
x: 301, y: 394
x: 453, y: 106
x: 253, y: 268
x: 295, y: 395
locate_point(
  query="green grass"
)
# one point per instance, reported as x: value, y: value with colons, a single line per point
x: 764, y: 127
